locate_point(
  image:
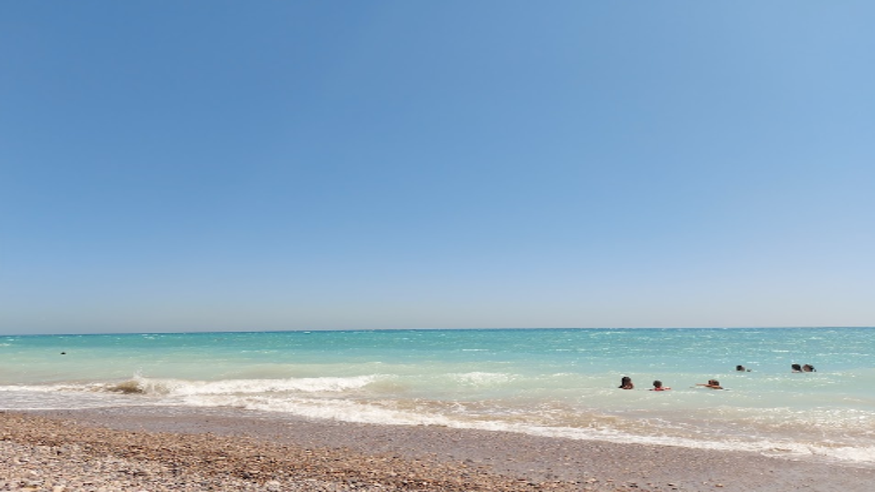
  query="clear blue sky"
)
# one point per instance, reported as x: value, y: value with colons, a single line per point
x: 215, y: 165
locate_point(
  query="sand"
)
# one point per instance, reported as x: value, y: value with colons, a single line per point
x: 158, y: 449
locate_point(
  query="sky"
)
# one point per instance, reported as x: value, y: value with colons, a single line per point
x: 228, y: 165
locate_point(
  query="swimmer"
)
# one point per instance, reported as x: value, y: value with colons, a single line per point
x: 741, y: 368
x: 657, y: 386
x: 712, y: 383
x: 795, y: 368
x: 626, y: 383
x: 808, y: 368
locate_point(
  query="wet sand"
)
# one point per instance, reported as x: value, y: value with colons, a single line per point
x: 159, y: 449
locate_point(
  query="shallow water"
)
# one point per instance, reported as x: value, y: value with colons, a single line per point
x: 554, y: 382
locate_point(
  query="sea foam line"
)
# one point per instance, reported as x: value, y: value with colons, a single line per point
x: 381, y: 413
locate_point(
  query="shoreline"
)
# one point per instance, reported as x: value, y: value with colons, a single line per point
x: 197, y: 448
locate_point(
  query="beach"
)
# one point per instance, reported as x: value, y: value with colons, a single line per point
x: 444, y: 410
x: 155, y: 449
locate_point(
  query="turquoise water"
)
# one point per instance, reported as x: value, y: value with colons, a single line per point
x: 554, y: 382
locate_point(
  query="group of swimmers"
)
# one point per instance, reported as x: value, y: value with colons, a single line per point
x: 805, y: 368
x: 626, y: 384
x: 626, y: 381
x: 793, y: 367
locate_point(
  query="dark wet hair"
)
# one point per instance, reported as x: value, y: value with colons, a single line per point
x: 657, y: 384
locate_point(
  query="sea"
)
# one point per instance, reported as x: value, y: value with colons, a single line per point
x: 545, y: 382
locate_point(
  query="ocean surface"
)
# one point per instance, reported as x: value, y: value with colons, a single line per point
x: 548, y: 382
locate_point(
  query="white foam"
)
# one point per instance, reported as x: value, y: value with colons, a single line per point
x: 177, y: 387
x: 477, y: 378
x: 383, y: 413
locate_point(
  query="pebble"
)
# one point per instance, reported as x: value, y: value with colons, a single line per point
x: 47, y: 455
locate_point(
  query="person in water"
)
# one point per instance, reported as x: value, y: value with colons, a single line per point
x: 741, y: 368
x: 796, y: 367
x: 712, y: 383
x: 626, y: 383
x: 808, y: 368
x: 657, y: 386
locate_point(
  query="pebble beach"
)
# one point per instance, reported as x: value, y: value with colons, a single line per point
x: 154, y: 449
